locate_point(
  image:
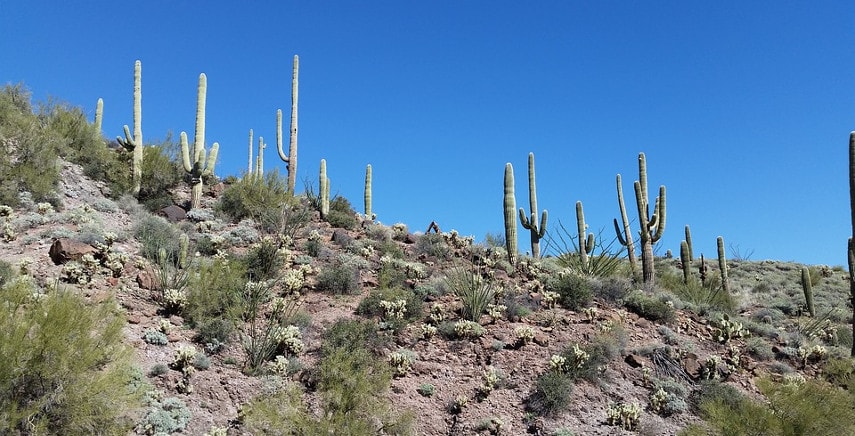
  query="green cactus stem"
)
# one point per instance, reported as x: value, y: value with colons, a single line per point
x: 808, y: 291
x: 689, y: 243
x: 290, y: 159
x: 250, y: 164
x: 652, y: 226
x: 722, y: 264
x: 702, y: 271
x: 199, y: 166
x: 135, y: 144
x: 324, y: 188
x: 850, y: 253
x: 99, y: 115
x: 367, y: 194
x: 510, y: 215
x: 535, y: 231
x: 183, y: 245
x: 685, y: 262
x: 586, y: 240
x: 624, y: 236
x: 259, y: 160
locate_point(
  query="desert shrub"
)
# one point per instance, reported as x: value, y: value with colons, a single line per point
x: 574, y: 291
x: 154, y: 234
x: 759, y: 348
x: 602, y: 260
x: 396, y: 307
x: 434, y: 245
x: 7, y: 272
x: 64, y: 368
x: 341, y: 214
x: 260, y: 199
x: 268, y: 329
x: 649, y: 307
x: 164, y: 416
x: 161, y: 172
x: 473, y: 289
x: 551, y: 394
x: 339, y: 278
x: 264, y: 260
x: 706, y: 297
x: 214, y: 291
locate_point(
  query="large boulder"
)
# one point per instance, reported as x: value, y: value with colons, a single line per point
x: 173, y: 213
x: 64, y: 249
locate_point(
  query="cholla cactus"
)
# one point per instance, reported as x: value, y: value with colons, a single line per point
x: 489, y: 380
x: 437, y: 313
x: 289, y: 338
x: 549, y: 299
x: 428, y: 331
x: 590, y: 313
x: 183, y: 360
x: 524, y: 334
x: 278, y: 366
x: 557, y: 363
x: 401, y: 362
x: 495, y: 311
x: 726, y: 330
x: 626, y: 416
x: 394, y: 310
x: 468, y: 329
x: 711, y: 368
x: 174, y: 300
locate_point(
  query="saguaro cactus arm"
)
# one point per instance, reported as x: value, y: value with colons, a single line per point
x: 249, y: 165
x: 510, y: 206
x: 624, y: 235
x: 586, y: 240
x: 99, y: 115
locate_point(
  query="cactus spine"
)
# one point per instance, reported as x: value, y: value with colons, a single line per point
x: 586, y: 240
x: 652, y: 226
x: 291, y: 159
x: 99, y: 115
x: 367, y: 195
x: 200, y: 166
x: 689, y: 243
x: 686, y: 263
x: 135, y: 144
x: 249, y: 165
x: 808, y: 290
x: 535, y: 231
x: 850, y: 252
x: 625, y: 236
x: 324, y: 188
x: 510, y: 215
x: 722, y: 263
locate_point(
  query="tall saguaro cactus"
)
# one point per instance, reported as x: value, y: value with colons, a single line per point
x: 367, y: 194
x: 249, y: 165
x: 652, y: 226
x: 510, y: 206
x: 624, y: 235
x: 722, y: 263
x: 290, y: 159
x: 535, y: 231
x: 689, y: 243
x: 259, y: 160
x: 324, y: 188
x: 586, y: 240
x: 851, y: 243
x: 807, y: 288
x: 199, y: 166
x: 135, y: 144
x: 99, y: 115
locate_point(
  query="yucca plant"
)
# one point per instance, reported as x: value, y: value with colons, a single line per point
x: 601, y: 262
x: 473, y: 288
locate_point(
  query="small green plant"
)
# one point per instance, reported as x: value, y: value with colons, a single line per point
x: 426, y: 390
x: 339, y: 278
x: 401, y: 361
x: 262, y: 199
x: 341, y: 214
x: 551, y: 394
x: 524, y: 335
x: 164, y: 415
x: 623, y: 415
x: 649, y: 307
x: 155, y: 337
x: 476, y: 291
x: 574, y: 292
x: 466, y: 329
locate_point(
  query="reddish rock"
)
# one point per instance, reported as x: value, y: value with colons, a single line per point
x: 147, y: 279
x: 173, y: 213
x: 633, y: 361
x: 134, y: 319
x: 691, y: 365
x: 541, y: 339
x: 217, y: 190
x: 63, y: 250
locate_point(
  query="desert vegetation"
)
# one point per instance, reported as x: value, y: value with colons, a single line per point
x: 143, y: 294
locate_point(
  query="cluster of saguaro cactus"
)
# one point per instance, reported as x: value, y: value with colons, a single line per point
x: 291, y: 158
x: 652, y: 226
x: 134, y: 143
x: 722, y: 263
x: 199, y: 166
x: 586, y: 240
x: 367, y: 195
x: 324, y: 188
x: 536, y: 231
x: 624, y: 235
x: 510, y: 206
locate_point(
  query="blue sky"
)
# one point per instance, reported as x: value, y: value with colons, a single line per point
x: 742, y: 108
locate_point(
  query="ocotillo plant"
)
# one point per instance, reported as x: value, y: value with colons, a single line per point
x: 290, y: 159
x: 324, y: 188
x: 367, y: 194
x: 850, y: 251
x: 624, y: 236
x: 535, y: 231
x: 135, y: 144
x: 99, y: 115
x: 722, y: 264
x: 250, y: 164
x: 689, y: 244
x: 652, y: 226
x: 807, y: 288
x: 200, y: 166
x: 586, y: 240
x: 510, y: 215
x: 686, y: 263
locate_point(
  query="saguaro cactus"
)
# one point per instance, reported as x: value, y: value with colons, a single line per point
x: 99, y: 115
x: 624, y: 236
x: 586, y: 240
x: 135, y: 144
x: 535, y: 231
x: 290, y: 159
x: 807, y: 288
x: 249, y: 165
x: 685, y: 261
x: 510, y: 215
x: 850, y: 249
x: 722, y: 263
x: 259, y: 160
x: 367, y: 194
x: 200, y: 166
x: 324, y: 188
x: 652, y: 226
x: 689, y: 243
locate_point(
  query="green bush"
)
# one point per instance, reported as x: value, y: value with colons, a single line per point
x: 64, y: 368
x: 394, y: 318
x: 433, y: 245
x: 164, y: 416
x: 214, y: 294
x: 551, y: 394
x: 339, y: 278
x: 341, y: 214
x: 161, y: 172
x: 154, y: 234
x: 260, y: 199
x: 649, y: 307
x: 473, y: 289
x: 264, y: 260
x: 574, y: 291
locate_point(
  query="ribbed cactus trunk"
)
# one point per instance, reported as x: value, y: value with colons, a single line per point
x: 291, y: 158
x: 201, y: 165
x: 722, y: 264
x: 652, y: 226
x: 851, y: 244
x: 586, y: 240
x: 689, y: 244
x: 536, y: 232
x: 250, y: 164
x: 686, y: 262
x: 259, y: 160
x: 624, y: 235
x: 510, y: 206
x: 99, y: 115
x: 324, y: 188
x: 807, y: 288
x: 134, y: 143
x: 367, y: 193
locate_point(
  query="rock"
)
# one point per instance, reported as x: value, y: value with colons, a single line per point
x: 63, y: 250
x: 217, y: 190
x: 147, y: 279
x: 134, y: 319
x: 691, y: 365
x: 341, y: 237
x: 541, y: 339
x: 633, y: 361
x: 410, y: 238
x: 173, y: 213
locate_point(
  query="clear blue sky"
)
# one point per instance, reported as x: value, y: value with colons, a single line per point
x: 743, y: 108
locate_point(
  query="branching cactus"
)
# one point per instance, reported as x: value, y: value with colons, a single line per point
x: 652, y: 226
x: 510, y: 215
x: 324, y: 188
x: 722, y: 264
x: 586, y: 240
x: 291, y: 158
x: 689, y: 244
x: 624, y: 235
x: 135, y: 144
x: 99, y: 115
x: 199, y: 166
x: 807, y: 288
x: 367, y: 195
x: 536, y: 231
